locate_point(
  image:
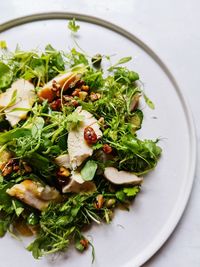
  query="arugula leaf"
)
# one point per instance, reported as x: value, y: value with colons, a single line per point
x: 73, y: 26
x: 6, y: 75
x: 89, y: 170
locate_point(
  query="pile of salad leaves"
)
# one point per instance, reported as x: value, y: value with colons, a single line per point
x: 62, y: 223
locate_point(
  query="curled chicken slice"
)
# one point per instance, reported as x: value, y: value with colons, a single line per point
x: 34, y: 194
x: 17, y: 100
x: 78, y: 148
x: 77, y: 184
x: 121, y: 177
x: 65, y: 81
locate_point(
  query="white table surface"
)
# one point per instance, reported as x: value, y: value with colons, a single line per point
x: 171, y: 29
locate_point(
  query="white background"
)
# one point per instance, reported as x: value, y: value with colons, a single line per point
x: 172, y: 29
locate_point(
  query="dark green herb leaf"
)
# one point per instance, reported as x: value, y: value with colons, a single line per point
x: 6, y: 76
x: 13, y: 134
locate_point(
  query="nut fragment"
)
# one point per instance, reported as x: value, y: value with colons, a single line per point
x: 84, y: 243
x: 76, y: 92
x: 100, y: 201
x: 63, y: 172
x: 110, y: 202
x: 85, y: 88
x: 82, y: 95
x: 107, y: 149
x: 95, y: 96
x: 56, y: 105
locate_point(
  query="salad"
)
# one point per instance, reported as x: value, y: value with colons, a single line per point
x: 69, y: 151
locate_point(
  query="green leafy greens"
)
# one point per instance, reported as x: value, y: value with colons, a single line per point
x: 33, y: 148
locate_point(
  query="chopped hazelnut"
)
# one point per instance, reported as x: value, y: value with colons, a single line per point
x: 94, y: 96
x: 85, y: 88
x: 82, y: 95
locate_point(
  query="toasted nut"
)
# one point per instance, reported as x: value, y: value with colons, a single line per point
x: 94, y: 96
x: 85, y: 88
x: 107, y: 149
x: 15, y: 167
x: 100, y: 201
x: 101, y: 120
x: 27, y: 168
x: 110, y: 202
x: 7, y: 170
x: 67, y: 98
x: 63, y: 172
x: 84, y: 243
x: 56, y: 104
x: 82, y: 95
x: 76, y: 92
x: 74, y: 103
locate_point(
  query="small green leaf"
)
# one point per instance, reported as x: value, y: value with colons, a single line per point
x: 73, y: 26
x: 131, y: 191
x: 3, y: 227
x: 89, y: 170
x: 73, y: 120
x: 3, y: 44
x: 33, y: 219
x: 79, y: 246
x: 6, y: 75
x: 17, y: 207
x: 123, y: 60
x: 38, y: 124
x: 149, y: 103
x: 121, y: 195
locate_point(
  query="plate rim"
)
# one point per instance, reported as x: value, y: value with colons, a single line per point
x: 184, y: 195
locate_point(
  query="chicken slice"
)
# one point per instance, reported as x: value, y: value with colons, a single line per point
x: 121, y: 177
x: 78, y: 148
x: 34, y: 194
x: 25, y: 97
x: 77, y: 184
x: 65, y: 81
x: 63, y: 161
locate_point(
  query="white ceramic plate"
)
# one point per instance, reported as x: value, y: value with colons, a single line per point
x: 132, y: 237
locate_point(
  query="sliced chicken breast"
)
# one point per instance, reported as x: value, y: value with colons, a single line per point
x: 77, y: 184
x: 78, y: 148
x: 34, y: 194
x: 24, y: 99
